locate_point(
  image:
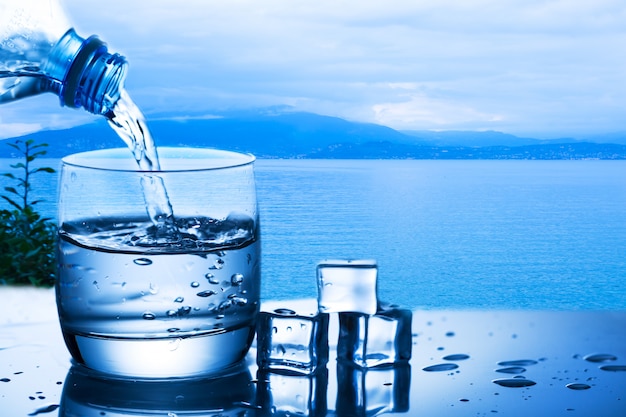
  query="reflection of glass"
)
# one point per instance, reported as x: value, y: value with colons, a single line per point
x: 369, y: 392
x: 152, y: 296
x: 91, y: 394
x: 288, y: 394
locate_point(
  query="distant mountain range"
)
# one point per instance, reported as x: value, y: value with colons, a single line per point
x: 272, y: 133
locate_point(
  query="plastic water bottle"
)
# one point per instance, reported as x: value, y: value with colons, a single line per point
x: 40, y: 52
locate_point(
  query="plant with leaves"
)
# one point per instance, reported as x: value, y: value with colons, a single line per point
x: 27, y: 240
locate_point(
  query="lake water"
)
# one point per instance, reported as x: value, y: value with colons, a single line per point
x: 446, y: 234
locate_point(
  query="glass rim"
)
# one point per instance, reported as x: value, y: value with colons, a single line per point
x: 188, y: 159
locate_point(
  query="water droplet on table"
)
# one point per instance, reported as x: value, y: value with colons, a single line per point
x: 442, y: 367
x: 514, y: 382
x: 578, y: 387
x: 285, y: 311
x: 456, y: 357
x: 600, y: 357
x: 511, y: 370
x: 46, y: 409
x: 519, y: 362
x: 613, y: 368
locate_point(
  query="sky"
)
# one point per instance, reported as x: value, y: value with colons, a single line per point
x: 534, y: 68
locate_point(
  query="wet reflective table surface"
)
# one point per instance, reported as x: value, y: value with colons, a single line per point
x: 464, y: 363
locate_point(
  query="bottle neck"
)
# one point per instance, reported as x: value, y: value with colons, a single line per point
x: 84, y: 74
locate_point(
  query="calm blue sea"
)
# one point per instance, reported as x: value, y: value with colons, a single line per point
x: 446, y: 234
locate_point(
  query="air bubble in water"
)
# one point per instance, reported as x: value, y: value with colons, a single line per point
x: 183, y: 311
x: 149, y: 316
x: 195, y: 284
x: 240, y: 301
x: 236, y: 279
x: 212, y: 279
x: 154, y: 288
x: 142, y: 261
x: 179, y: 300
x: 206, y: 293
x: 218, y: 264
x: 171, y: 313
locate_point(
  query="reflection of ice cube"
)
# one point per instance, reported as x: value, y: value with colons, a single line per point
x: 372, y: 391
x: 289, y: 395
x: 347, y: 286
x: 292, y: 342
x: 373, y: 340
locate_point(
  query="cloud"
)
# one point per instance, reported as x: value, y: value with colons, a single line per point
x: 11, y: 130
x: 418, y: 111
x: 38, y: 113
x: 510, y: 64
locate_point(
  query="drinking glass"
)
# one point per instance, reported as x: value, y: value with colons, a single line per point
x: 159, y: 271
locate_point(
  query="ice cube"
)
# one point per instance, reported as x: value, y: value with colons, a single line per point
x: 372, y: 391
x: 293, y: 395
x: 374, y: 340
x: 292, y: 342
x: 347, y: 286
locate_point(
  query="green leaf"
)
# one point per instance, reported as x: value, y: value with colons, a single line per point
x: 40, y: 145
x: 44, y: 169
x: 11, y: 190
x: 27, y: 242
x: 38, y: 153
x: 15, y: 146
x: 11, y: 202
